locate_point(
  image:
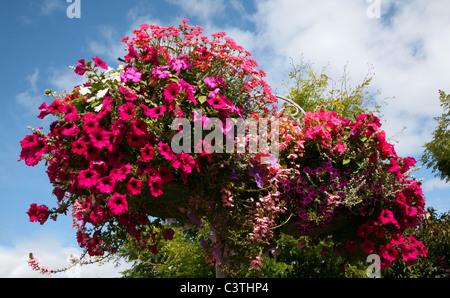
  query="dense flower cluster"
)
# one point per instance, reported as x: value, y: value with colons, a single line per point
x: 109, y: 152
x: 111, y: 160
x: 350, y: 181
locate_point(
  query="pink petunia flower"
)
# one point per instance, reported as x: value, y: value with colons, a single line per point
x: 134, y: 186
x: 368, y: 246
x: 136, y: 140
x: 100, y: 137
x: 155, y: 184
x: 171, y: 91
x: 38, y: 213
x: 126, y: 111
x: 96, y: 215
x: 147, y: 153
x: 153, y: 112
x: 81, y: 67
x: 165, y: 174
x: 165, y: 151
x: 388, y: 252
x: 87, y: 178
x: 118, y: 204
x: 120, y: 174
x: 106, y: 184
x: 100, y: 63
x: 387, y: 216
x: 132, y: 74
x: 210, y: 82
x: 44, y: 110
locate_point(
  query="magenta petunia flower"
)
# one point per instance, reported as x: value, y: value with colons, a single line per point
x: 183, y: 161
x: 79, y: 146
x: 368, y: 246
x: 29, y: 141
x: 155, y: 184
x: 100, y: 63
x: 210, y: 82
x: 166, y: 175
x: 38, y: 213
x: 132, y: 74
x: 118, y: 204
x: 87, y: 178
x: 387, y: 216
x: 139, y: 127
x: 216, y: 102
x: 156, y: 112
x: 121, y: 173
x: 165, y: 151
x: 106, y: 184
x: 127, y: 111
x: 44, y: 110
x: 81, y: 67
x: 96, y: 215
x: 100, y: 137
x: 71, y: 113
x: 134, y: 186
x: 388, y: 252
x: 147, y: 153
x: 171, y: 91
x: 136, y: 140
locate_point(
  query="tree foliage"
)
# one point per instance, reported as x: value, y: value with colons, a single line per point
x: 310, y: 89
x: 437, y: 151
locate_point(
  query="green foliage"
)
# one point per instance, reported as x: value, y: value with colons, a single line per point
x: 311, y: 89
x: 180, y: 257
x: 437, y: 151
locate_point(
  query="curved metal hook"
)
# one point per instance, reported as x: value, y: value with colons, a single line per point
x: 291, y: 104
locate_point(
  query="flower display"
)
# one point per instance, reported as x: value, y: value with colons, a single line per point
x: 348, y: 180
x: 113, y: 156
x: 109, y: 152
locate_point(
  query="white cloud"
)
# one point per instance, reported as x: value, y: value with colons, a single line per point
x: 434, y: 184
x: 205, y: 10
x: 29, y: 98
x: 64, y: 79
x: 53, y: 254
x: 50, y: 6
x: 408, y: 49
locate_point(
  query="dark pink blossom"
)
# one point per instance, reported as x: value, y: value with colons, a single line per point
x: 134, y: 186
x: 118, y: 204
x: 106, y: 184
x: 87, y: 178
x: 38, y: 213
x: 171, y: 91
x: 44, y: 110
x: 100, y: 63
x: 81, y: 67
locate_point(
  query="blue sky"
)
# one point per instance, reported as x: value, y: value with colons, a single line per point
x: 407, y: 46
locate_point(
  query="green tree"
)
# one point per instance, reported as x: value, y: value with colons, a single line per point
x: 311, y: 89
x: 180, y: 257
x: 437, y: 151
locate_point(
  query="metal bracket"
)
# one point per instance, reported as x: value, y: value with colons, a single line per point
x: 292, y: 108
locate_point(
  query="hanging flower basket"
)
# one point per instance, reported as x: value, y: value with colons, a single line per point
x: 338, y: 223
x: 135, y: 145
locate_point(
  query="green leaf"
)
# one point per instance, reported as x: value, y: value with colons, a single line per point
x: 201, y: 98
